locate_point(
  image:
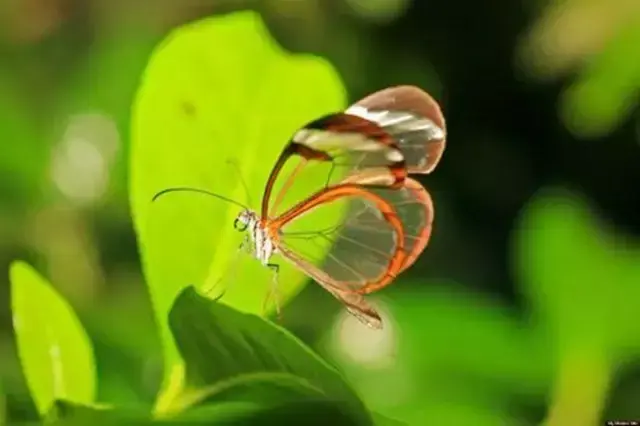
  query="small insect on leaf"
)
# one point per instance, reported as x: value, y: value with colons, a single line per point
x: 367, y: 153
x: 369, y: 150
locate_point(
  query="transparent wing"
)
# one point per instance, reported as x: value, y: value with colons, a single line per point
x: 412, y: 118
x: 326, y: 150
x: 382, y: 234
x: 414, y: 207
x: 354, y: 302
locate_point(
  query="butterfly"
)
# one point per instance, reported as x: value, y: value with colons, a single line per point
x: 368, y: 152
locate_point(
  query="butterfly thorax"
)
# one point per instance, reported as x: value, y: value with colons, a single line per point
x: 261, y: 244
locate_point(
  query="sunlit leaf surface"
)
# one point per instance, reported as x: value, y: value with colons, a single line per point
x: 234, y: 356
x: 54, y: 349
x: 216, y: 90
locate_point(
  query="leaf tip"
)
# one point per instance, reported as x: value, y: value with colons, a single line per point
x: 20, y: 273
x: 17, y: 268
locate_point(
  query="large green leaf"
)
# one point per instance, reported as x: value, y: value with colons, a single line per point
x: 381, y: 420
x: 582, y: 278
x: 217, y: 89
x: 239, y: 354
x: 264, y: 395
x: 69, y: 413
x: 225, y: 413
x: 308, y: 413
x: 264, y: 388
x: 54, y: 349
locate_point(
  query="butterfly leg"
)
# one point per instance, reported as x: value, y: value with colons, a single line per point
x: 273, y: 292
x: 243, y: 247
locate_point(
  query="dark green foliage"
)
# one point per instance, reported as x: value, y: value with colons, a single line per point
x: 240, y: 370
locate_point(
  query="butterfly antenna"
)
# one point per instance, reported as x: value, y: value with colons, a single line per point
x: 199, y: 191
x: 234, y: 163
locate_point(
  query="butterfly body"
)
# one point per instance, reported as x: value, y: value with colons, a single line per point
x: 259, y: 239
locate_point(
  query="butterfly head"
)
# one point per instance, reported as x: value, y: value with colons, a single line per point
x: 244, y: 220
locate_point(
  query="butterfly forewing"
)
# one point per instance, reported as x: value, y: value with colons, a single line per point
x: 389, y: 134
x: 322, y: 153
x: 412, y: 118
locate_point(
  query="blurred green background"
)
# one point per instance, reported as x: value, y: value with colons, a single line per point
x: 524, y: 307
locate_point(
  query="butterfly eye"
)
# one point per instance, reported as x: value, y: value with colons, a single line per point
x: 240, y: 225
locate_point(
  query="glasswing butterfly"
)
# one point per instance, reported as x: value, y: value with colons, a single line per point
x: 368, y: 152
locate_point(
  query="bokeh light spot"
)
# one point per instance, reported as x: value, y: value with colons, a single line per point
x: 359, y: 344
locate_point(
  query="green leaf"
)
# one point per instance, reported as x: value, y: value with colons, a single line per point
x: 582, y: 277
x: 265, y: 389
x: 225, y: 413
x: 583, y: 281
x: 62, y: 409
x: 441, y: 411
x: 308, y: 413
x: 233, y: 351
x: 380, y: 420
x: 53, y: 347
x: 67, y: 413
x: 256, y: 395
x: 216, y: 89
